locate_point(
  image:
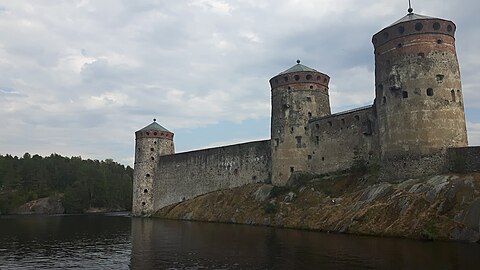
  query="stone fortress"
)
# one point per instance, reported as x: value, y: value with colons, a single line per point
x: 415, y: 127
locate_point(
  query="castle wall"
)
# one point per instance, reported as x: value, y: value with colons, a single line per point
x: 186, y: 175
x: 338, y: 140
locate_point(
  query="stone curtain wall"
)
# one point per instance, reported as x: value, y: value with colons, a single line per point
x: 338, y: 140
x: 464, y: 159
x: 186, y: 175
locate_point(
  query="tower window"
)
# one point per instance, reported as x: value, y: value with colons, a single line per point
x: 296, y: 77
x: 357, y: 117
x: 152, y: 158
x: 309, y: 77
x: 317, y: 126
x: 330, y: 123
x: 152, y: 149
x: 309, y: 157
x: 292, y: 169
x: 325, y: 80
x: 449, y: 28
x: 155, y: 133
x: 440, y: 78
x: 429, y: 92
x: 405, y: 94
x: 309, y: 115
x: 399, y: 45
x: 277, y: 142
x: 418, y: 26
x: 145, y: 191
x: 289, y: 88
x: 323, y: 158
x: 143, y: 203
x: 311, y: 86
x: 147, y: 175
x: 453, y: 95
x: 318, y: 78
x: 436, y: 26
x: 384, y: 100
x: 317, y: 140
x: 291, y: 129
x: 299, y: 141
x: 309, y: 99
x: 401, y: 29
x: 148, y: 133
x: 422, y: 55
x: 439, y: 41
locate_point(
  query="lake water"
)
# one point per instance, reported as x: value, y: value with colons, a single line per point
x: 121, y: 242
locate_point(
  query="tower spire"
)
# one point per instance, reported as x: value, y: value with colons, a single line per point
x: 410, y: 9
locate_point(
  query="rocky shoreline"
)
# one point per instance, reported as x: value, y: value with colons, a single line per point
x: 441, y: 207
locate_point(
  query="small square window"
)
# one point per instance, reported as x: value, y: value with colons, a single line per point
x: 405, y: 94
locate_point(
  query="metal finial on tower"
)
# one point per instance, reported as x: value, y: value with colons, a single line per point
x: 410, y: 9
x: 298, y: 61
x: 154, y: 120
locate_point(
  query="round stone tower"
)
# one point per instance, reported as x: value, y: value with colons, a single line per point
x: 151, y: 142
x: 298, y: 94
x: 419, y: 99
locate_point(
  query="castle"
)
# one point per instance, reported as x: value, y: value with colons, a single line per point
x: 415, y: 126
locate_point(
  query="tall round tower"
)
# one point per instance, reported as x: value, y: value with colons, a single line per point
x: 151, y: 142
x: 419, y: 99
x: 298, y: 94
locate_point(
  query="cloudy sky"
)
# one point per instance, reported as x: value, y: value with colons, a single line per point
x: 79, y: 77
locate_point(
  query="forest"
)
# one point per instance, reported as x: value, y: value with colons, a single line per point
x: 79, y: 184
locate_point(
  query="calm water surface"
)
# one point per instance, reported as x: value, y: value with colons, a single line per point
x: 121, y: 242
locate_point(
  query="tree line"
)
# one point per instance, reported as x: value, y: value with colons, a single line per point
x: 80, y: 184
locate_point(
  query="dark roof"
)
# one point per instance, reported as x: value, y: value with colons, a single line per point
x: 411, y: 17
x: 297, y: 68
x: 155, y: 126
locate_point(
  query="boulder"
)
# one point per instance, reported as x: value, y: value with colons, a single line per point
x: 43, y: 206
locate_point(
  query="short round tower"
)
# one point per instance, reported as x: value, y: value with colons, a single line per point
x: 419, y: 99
x: 151, y: 142
x: 298, y: 94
